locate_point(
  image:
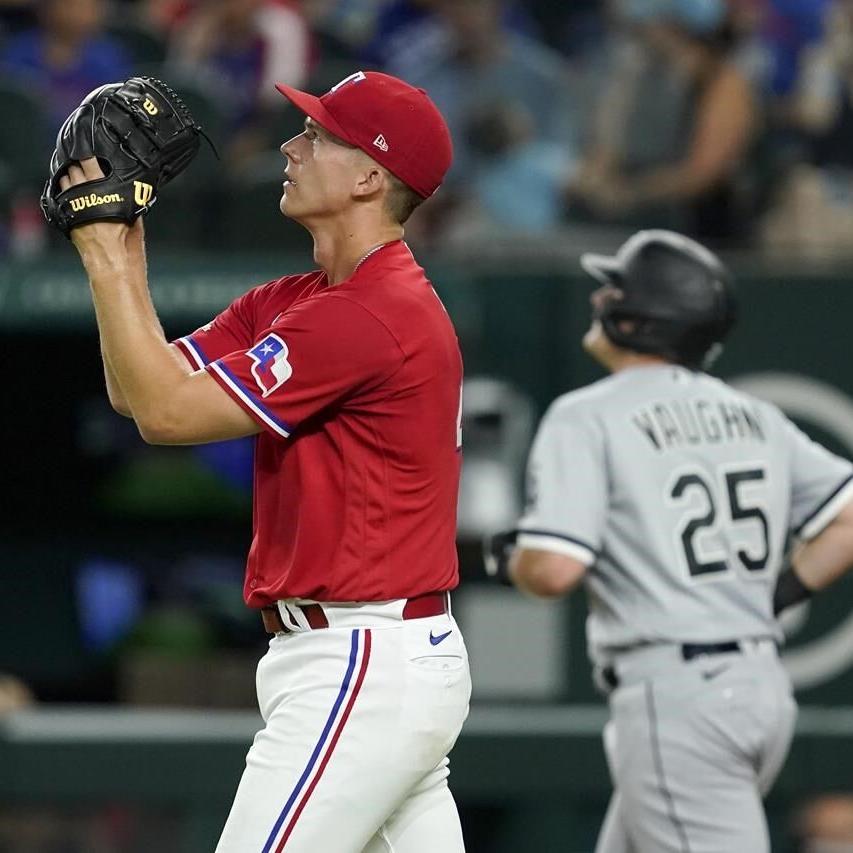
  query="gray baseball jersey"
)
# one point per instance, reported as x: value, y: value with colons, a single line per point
x: 680, y: 494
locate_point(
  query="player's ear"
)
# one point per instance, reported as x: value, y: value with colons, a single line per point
x: 370, y: 181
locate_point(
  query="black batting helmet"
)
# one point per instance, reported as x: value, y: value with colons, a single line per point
x: 677, y: 295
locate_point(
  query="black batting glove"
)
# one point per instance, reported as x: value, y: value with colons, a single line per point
x: 790, y: 590
x: 497, y: 550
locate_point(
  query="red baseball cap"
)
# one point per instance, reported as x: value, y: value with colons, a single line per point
x: 395, y: 123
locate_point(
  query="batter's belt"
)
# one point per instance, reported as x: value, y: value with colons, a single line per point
x: 648, y: 660
x: 311, y: 616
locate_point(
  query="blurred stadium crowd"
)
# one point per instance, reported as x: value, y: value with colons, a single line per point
x: 728, y: 119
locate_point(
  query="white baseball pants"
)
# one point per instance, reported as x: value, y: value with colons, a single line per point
x: 359, y: 719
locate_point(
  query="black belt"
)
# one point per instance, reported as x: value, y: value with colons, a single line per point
x: 688, y: 652
x: 694, y: 650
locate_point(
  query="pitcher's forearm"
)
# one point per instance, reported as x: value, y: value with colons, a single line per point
x: 136, y: 354
x: 114, y: 392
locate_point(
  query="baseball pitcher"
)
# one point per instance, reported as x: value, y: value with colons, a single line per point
x: 350, y: 378
x: 673, y: 499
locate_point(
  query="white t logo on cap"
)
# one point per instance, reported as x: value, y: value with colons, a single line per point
x: 380, y: 143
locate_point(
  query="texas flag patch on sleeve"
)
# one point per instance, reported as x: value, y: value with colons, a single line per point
x: 270, y: 366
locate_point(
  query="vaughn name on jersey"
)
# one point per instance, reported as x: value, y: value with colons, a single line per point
x: 683, y: 423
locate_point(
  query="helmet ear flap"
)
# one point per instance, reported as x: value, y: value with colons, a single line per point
x: 640, y: 334
x: 605, y: 298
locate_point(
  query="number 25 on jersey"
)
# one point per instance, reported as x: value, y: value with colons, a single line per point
x: 724, y: 519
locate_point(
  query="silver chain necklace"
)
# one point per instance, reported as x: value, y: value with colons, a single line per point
x: 371, y: 252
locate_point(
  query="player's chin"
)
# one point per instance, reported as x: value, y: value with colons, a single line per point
x: 593, y: 337
x: 596, y: 344
x: 287, y: 204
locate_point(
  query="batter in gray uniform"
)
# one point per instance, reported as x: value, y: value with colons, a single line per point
x: 673, y: 498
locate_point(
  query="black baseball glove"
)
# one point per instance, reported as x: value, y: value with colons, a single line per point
x: 143, y: 136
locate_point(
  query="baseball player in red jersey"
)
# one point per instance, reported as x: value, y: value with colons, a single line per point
x: 351, y: 377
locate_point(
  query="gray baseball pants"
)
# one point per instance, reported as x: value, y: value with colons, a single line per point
x: 692, y: 749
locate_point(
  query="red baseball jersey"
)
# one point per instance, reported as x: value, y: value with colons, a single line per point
x: 358, y: 389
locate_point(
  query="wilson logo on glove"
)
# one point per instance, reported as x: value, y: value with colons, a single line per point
x: 93, y: 200
x: 142, y: 192
x: 142, y: 135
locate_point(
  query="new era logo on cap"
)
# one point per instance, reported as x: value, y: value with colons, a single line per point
x: 366, y: 106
